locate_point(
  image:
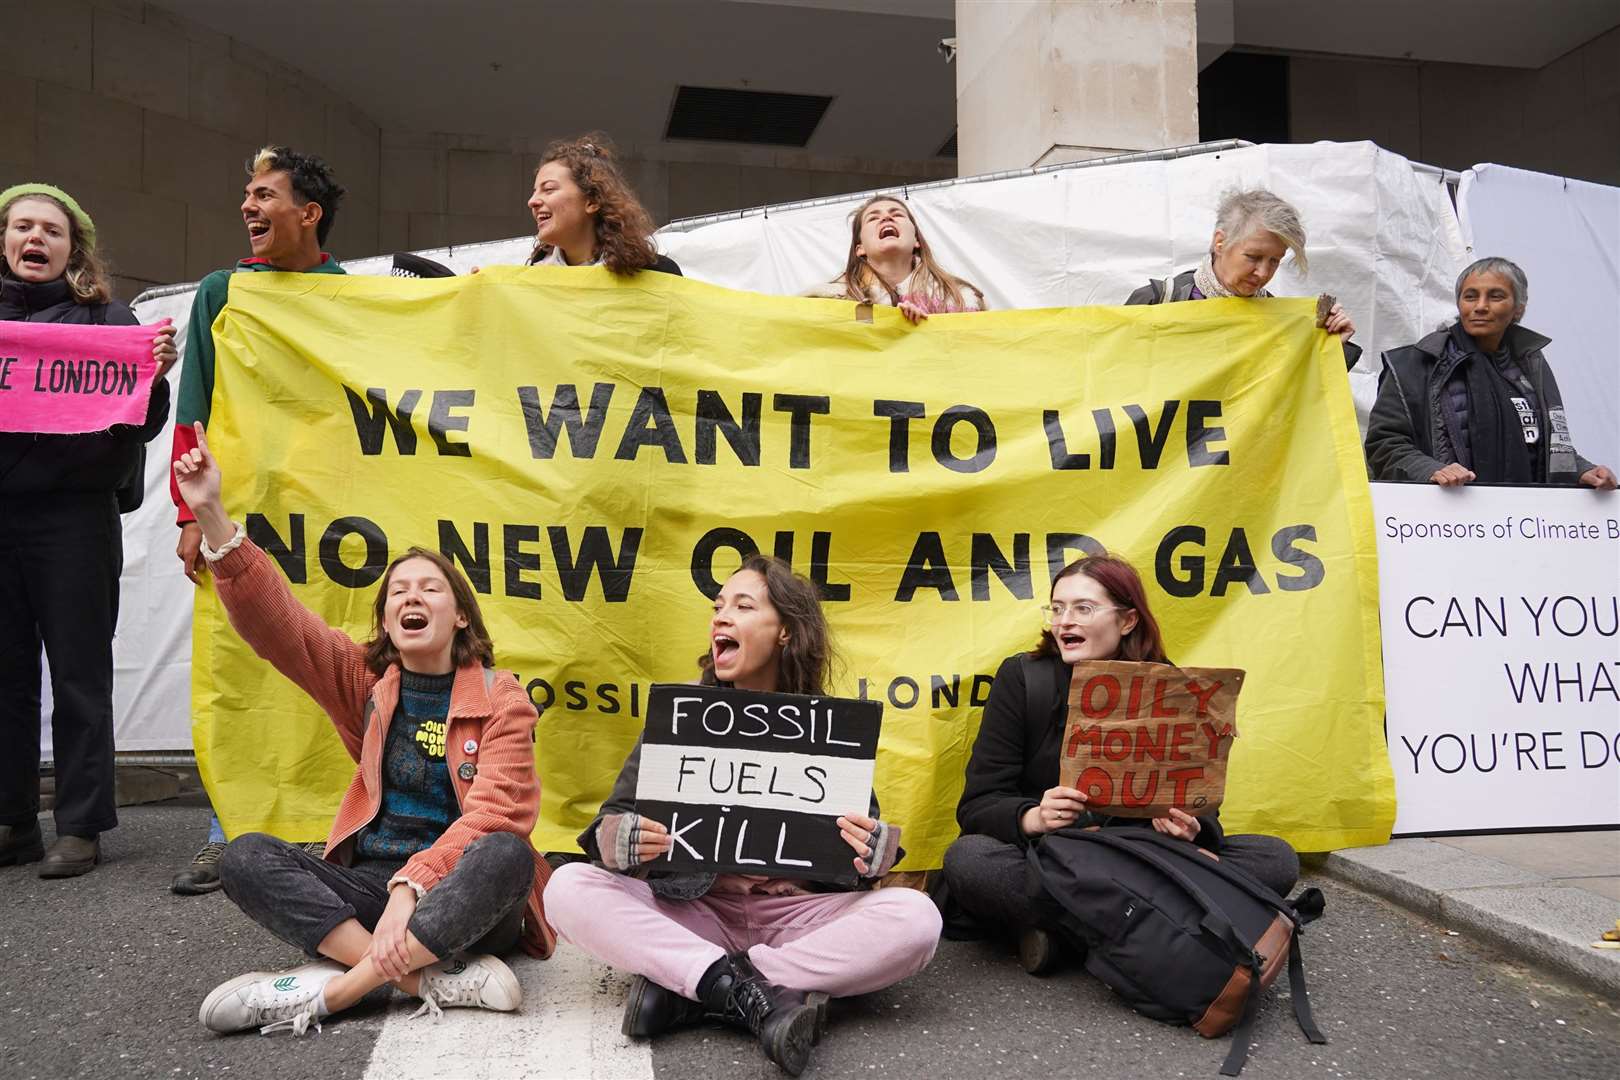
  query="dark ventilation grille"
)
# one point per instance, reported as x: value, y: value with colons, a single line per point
x: 949, y: 148
x: 745, y: 116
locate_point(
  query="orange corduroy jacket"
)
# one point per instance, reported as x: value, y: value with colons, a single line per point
x: 328, y: 665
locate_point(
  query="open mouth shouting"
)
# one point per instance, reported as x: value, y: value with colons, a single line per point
x: 257, y: 229
x: 888, y: 231
x: 413, y: 621
x: 1069, y: 639
x: 724, y: 648
x: 35, y: 257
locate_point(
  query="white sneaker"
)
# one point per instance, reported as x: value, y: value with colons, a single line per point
x: 264, y: 997
x: 482, y: 982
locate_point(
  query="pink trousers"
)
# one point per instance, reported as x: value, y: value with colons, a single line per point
x: 839, y: 943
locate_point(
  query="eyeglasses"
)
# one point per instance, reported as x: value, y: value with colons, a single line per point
x: 1082, y: 612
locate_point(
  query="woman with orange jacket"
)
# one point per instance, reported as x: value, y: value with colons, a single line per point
x: 428, y: 873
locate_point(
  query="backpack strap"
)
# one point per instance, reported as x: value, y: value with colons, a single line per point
x: 1161, y: 289
x: 1241, y: 878
x: 489, y: 679
x: 1308, y: 905
x: 1297, y: 991
x: 1040, y: 684
x: 1243, y: 1034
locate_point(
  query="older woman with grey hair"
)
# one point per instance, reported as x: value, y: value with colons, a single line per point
x: 1476, y: 400
x: 1254, y: 230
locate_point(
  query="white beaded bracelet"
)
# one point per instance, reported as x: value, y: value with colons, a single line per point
x: 210, y: 555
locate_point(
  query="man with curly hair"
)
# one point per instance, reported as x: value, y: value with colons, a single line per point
x: 289, y: 205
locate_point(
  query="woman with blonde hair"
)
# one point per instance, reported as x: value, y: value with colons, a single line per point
x: 1254, y: 231
x: 61, y: 545
x: 890, y: 263
x: 585, y: 213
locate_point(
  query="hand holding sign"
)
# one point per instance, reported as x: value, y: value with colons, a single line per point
x: 758, y: 784
x: 71, y: 379
x: 1149, y: 740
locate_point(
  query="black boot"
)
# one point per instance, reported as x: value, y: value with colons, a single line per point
x: 21, y: 844
x: 650, y: 1010
x: 737, y: 994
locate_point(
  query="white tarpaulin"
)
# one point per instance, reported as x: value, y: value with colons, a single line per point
x: 1383, y: 238
x: 1499, y: 609
x: 1566, y: 236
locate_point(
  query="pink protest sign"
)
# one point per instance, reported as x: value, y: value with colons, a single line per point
x: 62, y: 379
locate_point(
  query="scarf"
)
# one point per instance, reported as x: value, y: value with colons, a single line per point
x: 1495, y: 433
x: 1205, y: 281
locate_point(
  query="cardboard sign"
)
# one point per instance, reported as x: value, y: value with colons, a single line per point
x: 65, y: 379
x: 753, y: 783
x: 1142, y: 738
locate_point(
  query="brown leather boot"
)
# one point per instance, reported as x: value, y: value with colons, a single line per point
x: 71, y: 856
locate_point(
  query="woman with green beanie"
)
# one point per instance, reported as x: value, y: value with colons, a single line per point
x: 61, y: 549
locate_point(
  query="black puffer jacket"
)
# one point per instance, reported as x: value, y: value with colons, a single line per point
x: 101, y: 461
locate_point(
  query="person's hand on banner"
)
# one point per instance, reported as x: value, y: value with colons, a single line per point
x: 1600, y: 477
x: 1453, y: 475
x: 912, y: 312
x: 389, y: 952
x: 1338, y: 322
x: 1059, y: 806
x: 163, y: 350
x: 1180, y: 824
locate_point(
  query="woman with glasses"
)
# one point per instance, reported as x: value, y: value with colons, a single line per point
x: 1098, y: 611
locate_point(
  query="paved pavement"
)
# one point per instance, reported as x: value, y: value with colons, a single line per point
x: 105, y: 974
x: 1545, y: 896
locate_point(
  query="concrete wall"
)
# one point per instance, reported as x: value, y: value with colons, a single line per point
x: 452, y: 189
x: 1563, y: 118
x: 1048, y: 81
x: 147, y: 120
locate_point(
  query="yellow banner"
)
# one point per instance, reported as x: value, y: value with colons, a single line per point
x: 596, y: 453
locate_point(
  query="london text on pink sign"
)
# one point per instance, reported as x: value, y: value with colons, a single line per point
x: 62, y: 379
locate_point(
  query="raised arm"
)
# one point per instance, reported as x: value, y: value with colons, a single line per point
x: 322, y: 661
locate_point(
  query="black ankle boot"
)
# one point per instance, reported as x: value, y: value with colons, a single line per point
x: 21, y: 843
x: 650, y: 1010
x: 738, y: 995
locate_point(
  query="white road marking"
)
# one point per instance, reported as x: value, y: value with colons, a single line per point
x: 568, y: 1028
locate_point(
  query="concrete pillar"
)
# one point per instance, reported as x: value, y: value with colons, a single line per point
x: 1045, y: 81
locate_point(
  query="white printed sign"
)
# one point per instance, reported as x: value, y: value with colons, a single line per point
x: 1501, y: 629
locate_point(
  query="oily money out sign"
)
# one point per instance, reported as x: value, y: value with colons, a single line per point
x: 753, y: 783
x: 1142, y: 738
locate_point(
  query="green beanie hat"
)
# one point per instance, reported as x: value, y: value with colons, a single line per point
x: 87, y: 228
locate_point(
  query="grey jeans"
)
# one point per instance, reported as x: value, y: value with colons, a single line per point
x: 988, y: 877
x: 477, y: 907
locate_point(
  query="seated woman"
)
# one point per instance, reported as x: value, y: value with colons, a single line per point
x: 585, y: 213
x: 889, y: 263
x: 1098, y: 611
x: 1476, y: 401
x: 1254, y: 229
x: 736, y: 948
x: 428, y: 873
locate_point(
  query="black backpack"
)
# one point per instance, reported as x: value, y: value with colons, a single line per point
x: 1182, y: 936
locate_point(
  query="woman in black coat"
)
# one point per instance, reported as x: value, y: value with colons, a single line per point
x: 1476, y: 400
x: 1098, y: 611
x: 61, y: 549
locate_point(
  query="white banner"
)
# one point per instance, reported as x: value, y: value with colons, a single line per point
x: 1501, y: 655
x: 1566, y: 235
x: 1383, y: 238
